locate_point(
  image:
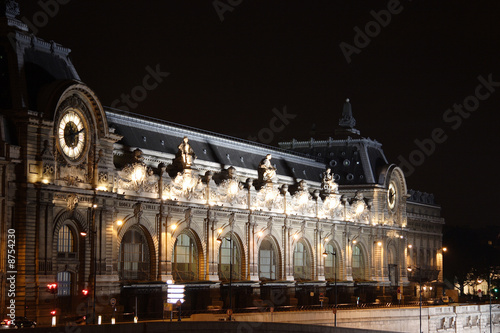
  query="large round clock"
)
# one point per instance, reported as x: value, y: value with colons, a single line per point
x: 72, y: 135
x: 392, y: 196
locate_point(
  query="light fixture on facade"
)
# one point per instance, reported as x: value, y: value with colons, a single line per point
x: 101, y: 188
x: 327, y: 239
x: 219, y: 231
x: 360, y: 207
x: 325, y: 254
x: 295, y: 236
x: 410, y: 246
x: 173, y: 226
x: 45, y: 181
x: 119, y: 223
x: 219, y: 240
x: 354, y: 241
x: 139, y: 173
x: 445, y: 249
x: 83, y: 233
x: 379, y: 243
x: 260, y: 233
x: 94, y: 206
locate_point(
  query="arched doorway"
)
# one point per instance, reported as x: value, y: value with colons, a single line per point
x: 185, y: 263
x: 135, y: 261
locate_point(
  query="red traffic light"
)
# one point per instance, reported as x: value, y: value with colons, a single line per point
x: 52, y: 288
x: 85, y: 292
x: 53, y: 312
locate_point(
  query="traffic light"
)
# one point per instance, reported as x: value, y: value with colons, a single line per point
x: 53, y: 312
x: 85, y: 292
x: 52, y: 288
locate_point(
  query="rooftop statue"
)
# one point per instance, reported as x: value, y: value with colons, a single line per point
x: 185, y: 155
x: 266, y: 171
x: 328, y: 185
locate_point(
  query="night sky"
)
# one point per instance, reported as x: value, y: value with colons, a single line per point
x: 230, y: 67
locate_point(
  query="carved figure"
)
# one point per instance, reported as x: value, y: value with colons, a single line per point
x: 186, y: 154
x: 266, y: 171
x: 328, y: 185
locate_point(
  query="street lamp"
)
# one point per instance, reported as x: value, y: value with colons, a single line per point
x: 325, y: 254
x: 420, y: 294
x: 230, y: 240
x: 93, y: 255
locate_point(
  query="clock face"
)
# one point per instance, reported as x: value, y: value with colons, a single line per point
x: 72, y: 135
x: 391, y: 196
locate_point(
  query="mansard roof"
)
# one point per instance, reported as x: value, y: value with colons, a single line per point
x: 164, y: 138
x: 354, y: 160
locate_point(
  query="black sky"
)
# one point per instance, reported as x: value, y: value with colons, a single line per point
x: 227, y: 76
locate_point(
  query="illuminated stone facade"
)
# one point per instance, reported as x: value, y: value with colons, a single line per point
x: 99, y: 194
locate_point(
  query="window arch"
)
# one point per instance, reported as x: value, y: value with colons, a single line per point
x: 301, y: 262
x: 185, y: 259
x: 66, y: 240
x: 134, y: 256
x: 225, y: 259
x: 331, y: 263
x: 358, y: 264
x: 268, y: 261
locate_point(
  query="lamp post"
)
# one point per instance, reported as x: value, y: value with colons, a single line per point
x: 230, y: 240
x: 419, y: 294
x: 325, y: 254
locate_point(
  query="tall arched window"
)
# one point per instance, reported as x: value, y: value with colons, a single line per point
x: 358, y: 264
x: 268, y: 261
x: 65, y: 240
x: 301, y: 262
x: 225, y: 259
x: 331, y: 263
x: 185, y: 259
x: 134, y: 256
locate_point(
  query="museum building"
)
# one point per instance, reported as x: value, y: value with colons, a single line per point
x: 118, y: 204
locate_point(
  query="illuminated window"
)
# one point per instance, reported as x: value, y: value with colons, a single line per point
x: 185, y: 259
x: 64, y: 284
x: 301, y: 262
x: 65, y: 240
x: 331, y: 266
x: 134, y: 257
x: 268, y: 260
x: 358, y: 264
x: 225, y: 260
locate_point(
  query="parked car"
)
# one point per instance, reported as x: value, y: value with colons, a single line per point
x: 5, y: 324
x: 22, y: 322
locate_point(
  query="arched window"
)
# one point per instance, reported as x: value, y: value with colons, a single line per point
x: 358, y: 264
x: 268, y: 261
x: 331, y: 263
x: 134, y: 256
x: 65, y: 240
x: 225, y: 259
x: 301, y: 262
x: 185, y: 259
x: 63, y: 284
